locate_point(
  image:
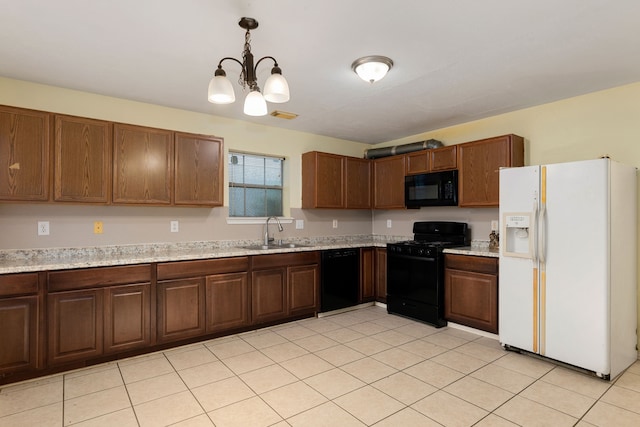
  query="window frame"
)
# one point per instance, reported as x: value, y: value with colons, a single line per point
x: 230, y: 184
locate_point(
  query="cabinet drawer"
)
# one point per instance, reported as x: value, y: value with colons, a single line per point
x: 274, y: 260
x: 478, y: 264
x: 18, y: 284
x: 98, y: 277
x: 178, y: 269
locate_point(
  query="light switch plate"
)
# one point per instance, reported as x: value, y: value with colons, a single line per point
x: 494, y: 225
x: 175, y: 226
x: 389, y: 223
x: 299, y: 224
x: 335, y: 223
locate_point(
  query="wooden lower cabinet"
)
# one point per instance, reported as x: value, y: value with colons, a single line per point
x: 75, y: 325
x: 227, y: 301
x: 127, y: 317
x: 367, y: 275
x: 381, y: 274
x: 284, y: 285
x: 18, y: 334
x: 303, y: 289
x: 268, y: 295
x: 471, y: 291
x: 181, y: 309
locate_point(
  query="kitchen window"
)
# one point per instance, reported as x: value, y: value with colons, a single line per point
x: 255, y: 185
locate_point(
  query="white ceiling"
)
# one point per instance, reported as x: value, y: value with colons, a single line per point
x: 455, y: 61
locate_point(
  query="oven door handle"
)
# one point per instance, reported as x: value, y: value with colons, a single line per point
x: 419, y: 258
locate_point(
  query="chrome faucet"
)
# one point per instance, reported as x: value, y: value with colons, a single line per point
x: 267, y: 239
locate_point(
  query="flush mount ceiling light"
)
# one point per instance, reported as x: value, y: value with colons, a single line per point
x: 276, y: 88
x: 372, y: 68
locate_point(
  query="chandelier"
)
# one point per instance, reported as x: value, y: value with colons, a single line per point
x: 276, y: 88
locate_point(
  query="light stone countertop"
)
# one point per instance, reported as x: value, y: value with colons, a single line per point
x: 32, y: 260
x: 477, y: 248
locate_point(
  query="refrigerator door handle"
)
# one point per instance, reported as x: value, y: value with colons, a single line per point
x: 543, y: 234
x: 532, y: 236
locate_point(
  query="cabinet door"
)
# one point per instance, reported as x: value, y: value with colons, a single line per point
x: 142, y: 159
x: 358, y: 183
x: 367, y: 275
x: 388, y: 187
x: 24, y: 154
x: 75, y: 325
x: 268, y: 295
x: 227, y: 305
x: 181, y: 306
x: 471, y: 299
x: 381, y: 274
x: 479, y: 163
x: 303, y: 289
x: 443, y: 158
x: 198, y: 170
x: 322, y: 180
x: 18, y: 334
x: 82, y: 160
x: 418, y: 162
x: 127, y: 317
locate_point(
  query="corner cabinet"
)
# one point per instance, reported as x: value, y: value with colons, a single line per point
x: 24, y: 155
x: 284, y: 285
x: 471, y: 291
x: 388, y: 182
x: 479, y: 163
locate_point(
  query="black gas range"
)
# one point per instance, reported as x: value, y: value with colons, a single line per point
x: 415, y: 270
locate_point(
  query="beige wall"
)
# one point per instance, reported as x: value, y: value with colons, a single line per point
x: 72, y: 225
x: 584, y: 127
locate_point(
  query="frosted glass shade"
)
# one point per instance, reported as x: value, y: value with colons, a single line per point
x: 276, y: 89
x: 221, y: 91
x: 372, y: 68
x: 254, y: 104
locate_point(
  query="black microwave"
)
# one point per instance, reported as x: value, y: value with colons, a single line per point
x: 431, y: 189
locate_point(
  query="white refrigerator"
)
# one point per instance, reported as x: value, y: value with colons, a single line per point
x: 568, y: 256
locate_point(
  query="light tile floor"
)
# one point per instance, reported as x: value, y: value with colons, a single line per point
x: 360, y: 368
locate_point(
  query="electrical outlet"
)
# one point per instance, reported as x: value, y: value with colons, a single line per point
x: 97, y: 227
x: 335, y: 223
x: 388, y: 223
x: 175, y: 226
x: 494, y: 225
x: 43, y: 228
x: 299, y: 224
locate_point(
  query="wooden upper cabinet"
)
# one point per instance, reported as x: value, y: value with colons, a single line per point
x: 24, y: 154
x: 388, y: 182
x: 418, y: 162
x: 443, y: 158
x: 322, y: 180
x: 479, y: 163
x: 198, y: 170
x: 357, y: 183
x: 432, y: 160
x: 142, y: 160
x: 82, y: 160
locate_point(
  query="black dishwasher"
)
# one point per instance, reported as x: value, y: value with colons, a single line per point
x: 340, y: 279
